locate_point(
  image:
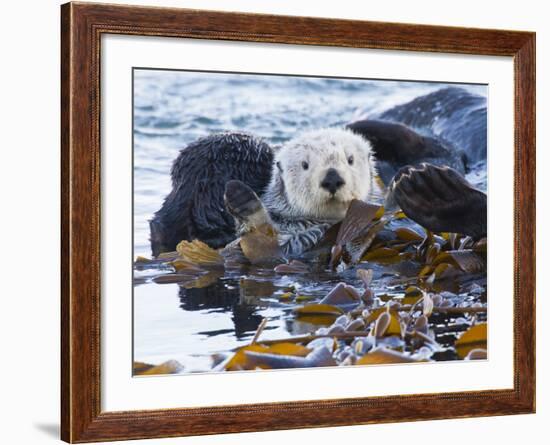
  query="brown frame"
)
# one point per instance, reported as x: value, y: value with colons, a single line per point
x: 82, y: 25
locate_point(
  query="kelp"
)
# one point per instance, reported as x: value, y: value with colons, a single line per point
x: 294, y: 267
x: 260, y: 245
x: 168, y: 367
x: 198, y: 253
x: 241, y: 360
x: 356, y: 233
x: 474, y: 338
x: 318, y: 357
x: 318, y: 309
x: 385, y: 356
x: 342, y: 294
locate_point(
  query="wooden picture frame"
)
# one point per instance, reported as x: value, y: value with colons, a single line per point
x: 82, y: 26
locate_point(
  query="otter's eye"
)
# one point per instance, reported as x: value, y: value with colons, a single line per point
x: 350, y: 160
x: 305, y: 165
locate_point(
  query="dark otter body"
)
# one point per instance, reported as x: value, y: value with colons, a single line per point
x: 395, y: 145
x: 195, y: 209
x: 451, y: 114
x: 446, y: 127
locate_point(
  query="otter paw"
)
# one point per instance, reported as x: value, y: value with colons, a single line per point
x: 241, y: 201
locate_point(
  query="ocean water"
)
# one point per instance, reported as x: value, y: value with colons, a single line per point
x: 172, y: 109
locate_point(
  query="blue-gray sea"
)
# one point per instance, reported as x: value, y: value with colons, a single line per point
x: 172, y: 109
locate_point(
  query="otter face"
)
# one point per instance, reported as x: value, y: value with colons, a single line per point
x: 323, y: 171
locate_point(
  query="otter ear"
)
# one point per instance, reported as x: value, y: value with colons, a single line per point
x: 279, y: 166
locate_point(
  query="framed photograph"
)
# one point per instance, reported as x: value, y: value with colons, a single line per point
x: 274, y: 222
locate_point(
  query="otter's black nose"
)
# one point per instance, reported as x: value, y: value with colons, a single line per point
x: 333, y: 181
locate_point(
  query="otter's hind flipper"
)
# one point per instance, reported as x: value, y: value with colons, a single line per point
x: 440, y: 199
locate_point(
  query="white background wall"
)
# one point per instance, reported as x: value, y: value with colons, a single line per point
x: 29, y: 221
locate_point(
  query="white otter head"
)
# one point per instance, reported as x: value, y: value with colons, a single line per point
x: 321, y: 172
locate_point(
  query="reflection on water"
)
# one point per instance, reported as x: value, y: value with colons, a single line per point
x: 217, y: 312
x: 178, y: 321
